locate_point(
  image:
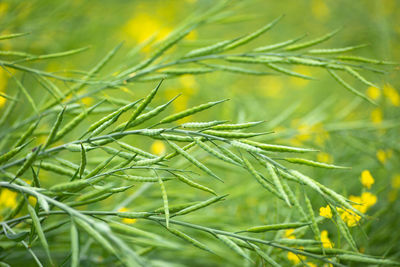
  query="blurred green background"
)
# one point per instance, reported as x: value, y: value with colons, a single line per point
x: 318, y: 113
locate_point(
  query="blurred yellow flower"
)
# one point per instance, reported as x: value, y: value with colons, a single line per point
x: 392, y: 95
x: 368, y: 199
x: 383, y: 155
x: 3, y: 83
x: 87, y: 101
x: 349, y: 217
x: 319, y: 9
x: 295, y: 258
x: 158, y: 148
x: 396, y: 181
x: 8, y: 199
x: 125, y: 220
x: 373, y: 92
x: 325, y: 212
x: 360, y: 206
x: 326, y: 242
x: 311, y: 264
x: 324, y: 157
x: 377, y: 115
x: 289, y: 234
x: 366, y: 179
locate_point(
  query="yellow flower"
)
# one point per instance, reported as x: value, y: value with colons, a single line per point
x: 295, y: 258
x: 125, y: 220
x: 391, y: 94
x: 383, y: 155
x: 360, y: 206
x: 158, y: 148
x: 324, y: 157
x: 366, y: 179
x: 311, y: 264
x: 373, y: 92
x: 349, y: 217
x: 326, y: 242
x: 368, y: 199
x: 325, y: 212
x: 396, y: 181
x: 319, y: 9
x: 8, y: 198
x: 377, y: 115
x: 87, y: 101
x: 289, y: 234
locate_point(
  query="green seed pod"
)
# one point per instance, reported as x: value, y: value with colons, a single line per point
x: 366, y: 60
x: 236, y: 69
x: 175, y: 208
x: 136, y: 150
x: 252, y: 36
x: 99, y: 167
x: 255, y: 60
x: 5, y: 157
x: 246, y: 147
x: 75, y: 121
x: 259, y: 179
x: 96, y: 235
x: 350, y: 88
x: 278, y: 45
x: 314, y: 163
x: 142, y: 179
x: 214, y: 152
x: 330, y: 51
x: 69, y: 186
x: 185, y: 71
x: 237, y: 126
x: 275, y: 227
x: 312, y: 42
x: 344, y: 230
x: 194, y: 161
x: 12, y: 35
x: 174, y: 137
x: 165, y: 200
x: 30, y: 158
x: 200, y: 205
x: 367, y: 260
x: 359, y: 77
x: 293, y: 199
x: 232, y: 245
x: 173, y: 154
x: 311, y: 217
x: 131, y: 230
x: 277, y: 182
x: 194, y: 184
x: 53, y: 131
x: 133, y: 215
x: 199, y: 125
x: 230, y: 154
x: 48, y: 166
x: 149, y: 162
x: 288, y: 72
x: 215, y: 48
x: 297, y: 242
x: 113, y: 151
x: 189, y: 239
x: 74, y: 244
x: 28, y: 133
x: 306, y: 180
x: 307, y: 62
x: 277, y: 148
x: 267, y: 258
x: 190, y: 111
x: 232, y: 134
x: 83, y: 161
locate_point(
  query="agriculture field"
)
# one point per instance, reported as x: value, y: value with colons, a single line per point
x: 199, y: 133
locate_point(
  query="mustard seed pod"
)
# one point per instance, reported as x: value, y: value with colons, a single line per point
x: 277, y: 182
x: 314, y: 163
x: 199, y: 125
x: 54, y: 129
x: 194, y: 184
x: 232, y: 245
x: 200, y: 205
x: 312, y: 42
x: 237, y: 126
x: 275, y: 227
x: 277, y: 148
x: 214, y: 152
x: 191, y: 111
x: 189, y: 239
x: 226, y: 134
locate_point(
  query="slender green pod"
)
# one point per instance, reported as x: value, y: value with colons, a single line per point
x: 237, y: 126
x: 99, y: 167
x: 199, y: 125
x: 83, y: 161
x: 69, y: 186
x: 24, y: 91
x: 96, y: 235
x: 349, y: 87
x: 149, y: 162
x: 39, y: 231
x: 194, y: 184
x: 288, y: 72
x: 367, y: 260
x: 297, y: 242
x: 200, y: 205
x: 175, y: 208
x: 344, y: 230
x: 307, y: 62
x: 293, y: 199
x: 54, y: 129
x: 136, y: 150
x: 192, y: 160
x: 75, y: 121
x: 256, y: 60
x: 7, y: 156
x: 29, y: 160
x: 252, y: 36
x: 275, y: 227
x: 235, y: 69
x: 143, y: 179
x: 134, y: 215
x: 74, y: 244
x: 211, y: 49
x: 277, y: 182
x: 330, y: 51
x: 191, y: 111
x: 312, y: 42
x: 232, y: 245
x: 259, y: 179
x: 314, y: 163
x: 366, y: 60
x: 8, y: 111
x: 278, y: 148
x: 230, y: 154
x: 48, y: 166
x: 189, y: 239
x: 358, y: 76
x: 214, y: 152
x: 267, y: 258
x: 237, y: 135
x: 174, y: 137
x: 165, y: 200
x: 279, y: 45
x: 175, y: 153
x: 12, y: 35
x: 131, y: 230
x: 311, y: 217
